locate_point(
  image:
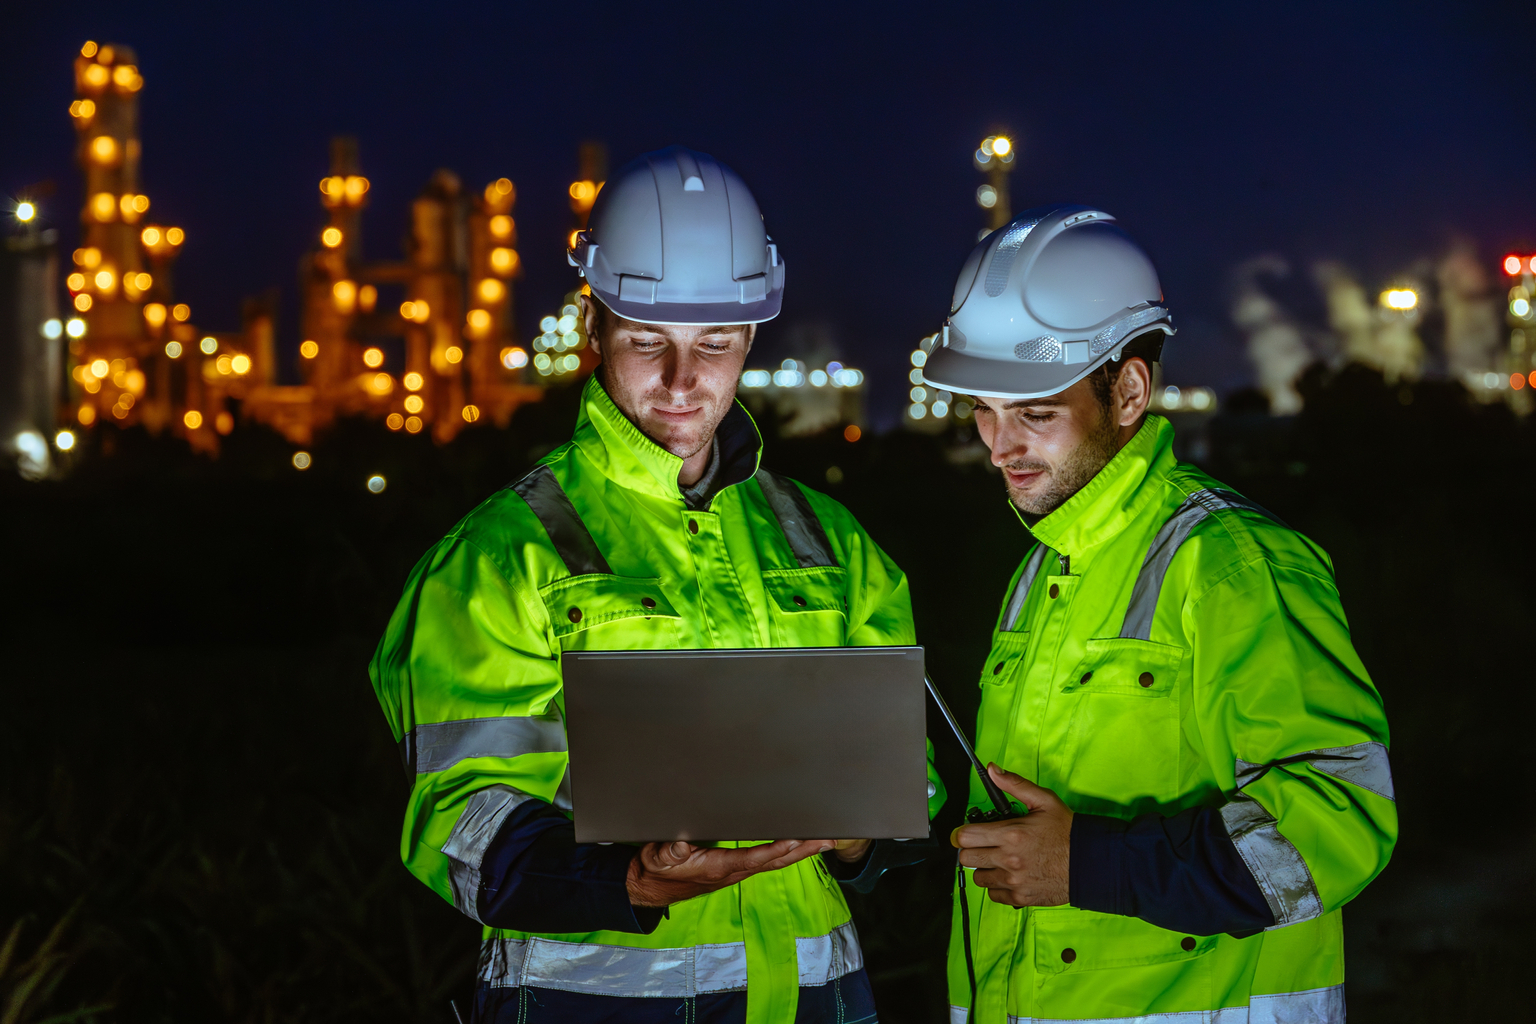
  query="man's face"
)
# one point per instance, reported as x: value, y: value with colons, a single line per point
x: 676, y: 382
x: 1049, y: 448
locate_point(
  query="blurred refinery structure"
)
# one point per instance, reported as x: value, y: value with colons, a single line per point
x: 1483, y: 337
x: 803, y: 400
x: 1520, y: 318
x: 995, y: 157
x: 428, y: 343
x: 31, y: 342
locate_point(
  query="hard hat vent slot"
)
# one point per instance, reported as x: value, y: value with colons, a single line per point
x: 693, y: 178
x: 1002, y: 257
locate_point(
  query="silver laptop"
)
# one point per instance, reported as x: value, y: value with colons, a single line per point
x: 777, y: 743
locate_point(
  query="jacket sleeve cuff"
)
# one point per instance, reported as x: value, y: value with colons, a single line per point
x: 535, y: 877
x: 1179, y: 872
x: 883, y: 855
x: 1095, y: 863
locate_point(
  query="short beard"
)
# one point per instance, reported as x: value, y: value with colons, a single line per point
x: 684, y: 451
x: 1080, y: 466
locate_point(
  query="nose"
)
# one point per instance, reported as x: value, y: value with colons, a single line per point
x: 1008, y: 443
x: 679, y: 370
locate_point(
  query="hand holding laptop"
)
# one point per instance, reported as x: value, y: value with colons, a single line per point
x: 665, y: 873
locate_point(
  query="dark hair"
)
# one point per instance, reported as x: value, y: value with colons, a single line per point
x: 1148, y: 347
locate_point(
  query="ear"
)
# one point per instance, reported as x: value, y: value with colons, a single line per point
x: 589, y: 322
x: 751, y: 336
x: 1133, y: 392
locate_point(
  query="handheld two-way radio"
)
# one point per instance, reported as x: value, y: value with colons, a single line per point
x: 1001, y: 807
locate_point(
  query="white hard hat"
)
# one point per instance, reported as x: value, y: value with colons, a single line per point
x: 675, y: 237
x: 1044, y: 301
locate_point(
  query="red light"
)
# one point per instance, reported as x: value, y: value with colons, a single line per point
x: 1512, y: 265
x: 1516, y: 381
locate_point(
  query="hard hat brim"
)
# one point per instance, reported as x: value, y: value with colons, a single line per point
x: 994, y: 378
x: 712, y: 314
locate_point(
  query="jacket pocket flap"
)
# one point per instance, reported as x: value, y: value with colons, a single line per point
x: 1072, y: 940
x: 1126, y: 667
x: 581, y: 602
x: 817, y: 589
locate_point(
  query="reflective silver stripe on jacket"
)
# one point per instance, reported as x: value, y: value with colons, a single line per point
x: 572, y: 541
x: 1362, y: 764
x: 1149, y: 582
x: 676, y: 972
x: 435, y: 746
x: 471, y: 835
x: 1275, y: 864
x: 1314, y: 1006
x: 1021, y: 589
x: 826, y: 958
x: 807, y: 539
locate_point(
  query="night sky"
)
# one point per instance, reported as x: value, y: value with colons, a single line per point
x: 1371, y: 134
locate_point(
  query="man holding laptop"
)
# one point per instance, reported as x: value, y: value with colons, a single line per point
x: 1171, y: 694
x: 653, y: 529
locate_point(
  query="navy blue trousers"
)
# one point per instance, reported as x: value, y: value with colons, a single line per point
x: 848, y: 1000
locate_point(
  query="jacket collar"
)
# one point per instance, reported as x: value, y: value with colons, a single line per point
x: 622, y: 453
x: 1125, y: 488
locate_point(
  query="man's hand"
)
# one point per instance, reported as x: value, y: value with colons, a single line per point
x: 665, y: 873
x: 851, y: 851
x: 1022, y: 861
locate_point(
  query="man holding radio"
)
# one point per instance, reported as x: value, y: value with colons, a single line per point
x: 1171, y: 694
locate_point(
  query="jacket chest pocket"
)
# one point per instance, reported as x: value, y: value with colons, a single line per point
x: 807, y: 607
x: 1124, y: 736
x: 604, y: 613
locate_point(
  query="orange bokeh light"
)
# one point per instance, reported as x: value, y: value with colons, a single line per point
x: 852, y: 432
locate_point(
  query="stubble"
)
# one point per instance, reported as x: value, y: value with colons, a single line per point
x: 1062, y: 481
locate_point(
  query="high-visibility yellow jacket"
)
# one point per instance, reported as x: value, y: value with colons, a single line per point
x: 596, y: 549
x: 1167, y: 646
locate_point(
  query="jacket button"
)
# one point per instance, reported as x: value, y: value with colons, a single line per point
x: 799, y: 600
x: 574, y: 614
x: 1055, y: 590
x: 693, y: 526
x: 1146, y: 679
x: 647, y: 602
x: 1086, y: 676
x: 1068, y: 955
x: 997, y: 668
x: 1188, y: 944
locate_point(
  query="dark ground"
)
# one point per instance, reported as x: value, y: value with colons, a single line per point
x: 199, y: 814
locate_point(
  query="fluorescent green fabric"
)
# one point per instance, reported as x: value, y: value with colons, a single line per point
x: 486, y: 614
x: 1249, y: 660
